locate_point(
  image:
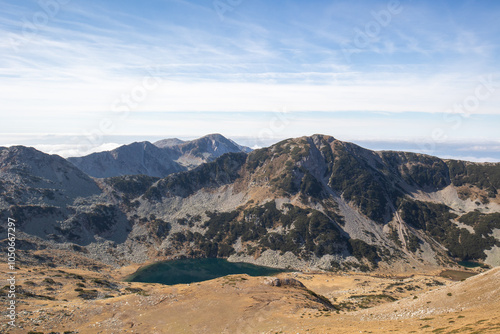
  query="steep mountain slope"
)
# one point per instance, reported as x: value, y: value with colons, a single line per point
x: 313, y: 202
x: 195, y: 152
x: 136, y: 158
x: 158, y: 160
x: 30, y: 176
x: 45, y: 193
x: 215, y: 144
x: 319, y: 200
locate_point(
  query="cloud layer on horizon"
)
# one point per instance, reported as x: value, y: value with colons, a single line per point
x: 90, y: 61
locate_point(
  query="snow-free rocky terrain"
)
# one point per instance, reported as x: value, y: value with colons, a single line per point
x: 157, y: 159
x: 369, y: 232
x: 54, y: 297
x: 311, y: 202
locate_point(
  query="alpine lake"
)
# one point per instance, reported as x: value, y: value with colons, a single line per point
x: 186, y: 271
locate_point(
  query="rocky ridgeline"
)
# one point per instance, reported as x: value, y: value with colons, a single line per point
x: 304, y: 203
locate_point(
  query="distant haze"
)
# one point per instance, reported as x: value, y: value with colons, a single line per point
x: 480, y: 151
x: 85, y: 76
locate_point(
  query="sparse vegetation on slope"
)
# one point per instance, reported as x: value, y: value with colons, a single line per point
x: 132, y: 185
x: 436, y: 219
x: 222, y: 171
x: 340, y: 198
x: 358, y: 183
x: 418, y: 169
x: 303, y: 232
x: 484, y: 176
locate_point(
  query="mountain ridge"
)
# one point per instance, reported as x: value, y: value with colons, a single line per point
x: 157, y: 159
x: 308, y: 202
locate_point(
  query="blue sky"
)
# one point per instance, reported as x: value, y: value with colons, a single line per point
x: 78, y: 76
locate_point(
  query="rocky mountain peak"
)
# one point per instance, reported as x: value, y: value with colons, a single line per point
x: 169, y: 142
x: 160, y: 159
x: 310, y: 200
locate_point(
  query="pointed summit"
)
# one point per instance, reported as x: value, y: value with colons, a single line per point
x: 160, y: 159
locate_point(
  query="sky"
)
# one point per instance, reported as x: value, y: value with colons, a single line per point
x: 82, y: 76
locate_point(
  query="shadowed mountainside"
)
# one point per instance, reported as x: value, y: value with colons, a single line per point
x: 160, y: 159
x: 306, y: 202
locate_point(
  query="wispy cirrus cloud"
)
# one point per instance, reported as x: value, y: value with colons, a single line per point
x: 261, y: 57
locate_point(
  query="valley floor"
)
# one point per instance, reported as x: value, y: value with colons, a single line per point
x: 68, y: 300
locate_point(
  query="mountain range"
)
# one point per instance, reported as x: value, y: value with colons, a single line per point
x: 309, y: 202
x: 157, y: 159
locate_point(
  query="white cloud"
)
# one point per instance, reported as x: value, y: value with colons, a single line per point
x: 97, y: 94
x: 74, y: 150
x: 453, y: 151
x: 470, y: 158
x: 481, y: 148
x: 70, y: 75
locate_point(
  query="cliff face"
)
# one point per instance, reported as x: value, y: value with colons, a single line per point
x: 305, y: 202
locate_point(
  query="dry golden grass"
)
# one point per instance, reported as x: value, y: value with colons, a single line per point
x: 53, y: 300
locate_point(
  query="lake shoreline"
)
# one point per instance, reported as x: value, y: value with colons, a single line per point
x: 186, y: 271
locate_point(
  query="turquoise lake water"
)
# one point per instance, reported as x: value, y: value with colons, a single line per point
x: 469, y: 264
x: 196, y: 270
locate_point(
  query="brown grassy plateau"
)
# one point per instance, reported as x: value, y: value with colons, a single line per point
x: 90, y: 298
